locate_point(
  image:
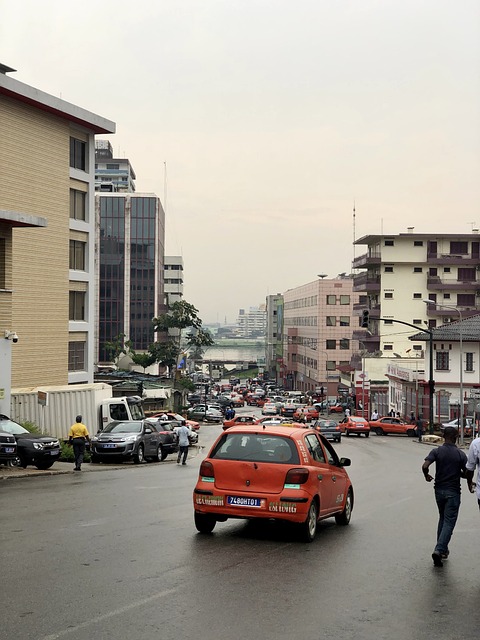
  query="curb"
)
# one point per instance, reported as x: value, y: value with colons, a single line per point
x: 12, y: 473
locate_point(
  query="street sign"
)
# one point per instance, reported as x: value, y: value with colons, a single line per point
x: 474, y: 393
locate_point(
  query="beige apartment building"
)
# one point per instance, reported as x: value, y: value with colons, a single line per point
x: 400, y: 272
x: 317, y: 333
x: 47, y: 231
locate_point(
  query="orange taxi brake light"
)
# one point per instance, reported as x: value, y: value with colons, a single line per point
x: 297, y: 476
x: 206, y: 469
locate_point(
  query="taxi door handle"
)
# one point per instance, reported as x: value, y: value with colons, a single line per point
x: 334, y: 478
x: 320, y: 477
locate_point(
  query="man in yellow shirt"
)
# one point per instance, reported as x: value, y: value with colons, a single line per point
x: 77, y: 436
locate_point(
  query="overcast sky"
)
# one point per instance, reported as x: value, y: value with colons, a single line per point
x: 272, y: 117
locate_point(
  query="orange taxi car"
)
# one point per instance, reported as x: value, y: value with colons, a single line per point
x: 355, y: 424
x: 239, y: 421
x: 278, y: 473
x: 382, y: 426
x: 306, y: 414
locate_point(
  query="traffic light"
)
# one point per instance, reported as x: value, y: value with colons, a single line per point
x: 365, y: 318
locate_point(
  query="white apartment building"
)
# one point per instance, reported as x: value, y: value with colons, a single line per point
x: 403, y: 270
x: 173, y: 282
x: 317, y: 333
x: 253, y: 323
x: 456, y: 372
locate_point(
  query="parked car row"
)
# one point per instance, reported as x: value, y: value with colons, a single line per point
x: 29, y: 448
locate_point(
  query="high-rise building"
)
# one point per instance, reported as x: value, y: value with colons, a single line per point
x: 274, y: 337
x: 112, y: 174
x: 403, y: 270
x: 252, y: 324
x: 130, y: 267
x: 47, y: 298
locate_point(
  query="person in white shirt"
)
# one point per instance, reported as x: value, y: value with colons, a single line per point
x: 374, y: 414
x: 473, y: 462
x: 183, y: 442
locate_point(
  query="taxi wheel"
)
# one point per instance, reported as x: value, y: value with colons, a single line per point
x: 343, y: 518
x: 204, y: 522
x: 309, y: 527
x: 367, y: 434
x: 379, y: 431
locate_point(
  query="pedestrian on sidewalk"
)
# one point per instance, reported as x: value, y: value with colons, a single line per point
x: 183, y: 442
x: 473, y: 461
x: 77, y: 436
x: 450, y: 466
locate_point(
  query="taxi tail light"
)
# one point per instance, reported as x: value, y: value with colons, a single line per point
x: 297, y: 476
x: 206, y: 469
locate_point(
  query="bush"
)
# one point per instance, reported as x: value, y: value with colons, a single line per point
x: 67, y: 453
x: 32, y: 427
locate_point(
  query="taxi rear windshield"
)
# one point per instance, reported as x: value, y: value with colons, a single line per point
x: 256, y: 448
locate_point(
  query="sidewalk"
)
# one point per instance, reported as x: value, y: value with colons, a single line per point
x: 62, y: 468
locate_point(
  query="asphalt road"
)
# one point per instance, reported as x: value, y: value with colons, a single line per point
x: 115, y: 555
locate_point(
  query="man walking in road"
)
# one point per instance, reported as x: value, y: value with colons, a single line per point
x: 77, y: 437
x: 183, y: 442
x: 473, y: 461
x: 450, y: 466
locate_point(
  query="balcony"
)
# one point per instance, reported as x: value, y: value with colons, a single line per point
x: 366, y: 282
x: 367, y: 259
x: 435, y: 283
x: 452, y: 259
x: 436, y: 311
x: 360, y: 307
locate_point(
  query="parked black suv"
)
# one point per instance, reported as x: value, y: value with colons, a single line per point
x: 32, y: 448
x: 8, y: 448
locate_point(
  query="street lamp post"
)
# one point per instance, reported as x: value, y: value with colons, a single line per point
x: 460, y: 340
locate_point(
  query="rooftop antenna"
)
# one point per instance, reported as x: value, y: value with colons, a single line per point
x: 354, y: 231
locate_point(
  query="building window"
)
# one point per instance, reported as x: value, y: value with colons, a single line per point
x: 330, y: 365
x: 78, y: 154
x: 467, y: 275
x: 417, y: 269
x: 331, y: 299
x: 76, y: 356
x: 331, y: 321
x: 446, y: 270
x: 344, y: 343
x: 417, y: 296
x: 3, y: 263
x: 388, y: 322
x: 113, y: 166
x: 418, y: 243
x: 77, y: 204
x: 388, y: 296
x: 416, y: 321
x: 446, y: 296
x: 77, y: 255
x: 76, y: 305
x: 388, y: 269
x: 442, y: 361
x: 417, y: 347
x: 389, y: 243
x: 344, y: 299
x: 344, y: 321
x: 469, y: 362
x: 466, y: 299
x: 460, y: 248
x: 388, y: 347
x: 331, y: 344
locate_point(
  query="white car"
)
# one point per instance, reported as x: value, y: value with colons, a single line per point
x: 456, y: 423
x: 269, y: 409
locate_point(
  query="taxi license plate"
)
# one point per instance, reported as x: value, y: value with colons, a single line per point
x: 109, y: 446
x: 238, y: 501
x: 9, y: 449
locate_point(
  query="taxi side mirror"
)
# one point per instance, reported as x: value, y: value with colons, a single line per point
x: 345, y: 462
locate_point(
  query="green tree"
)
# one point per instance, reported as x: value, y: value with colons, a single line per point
x: 116, y: 347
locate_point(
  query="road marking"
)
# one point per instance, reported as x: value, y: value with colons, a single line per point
x: 107, y: 616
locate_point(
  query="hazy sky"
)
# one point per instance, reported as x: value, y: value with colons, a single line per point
x: 272, y: 117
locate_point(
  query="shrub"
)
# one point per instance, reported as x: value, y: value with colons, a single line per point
x: 67, y: 453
